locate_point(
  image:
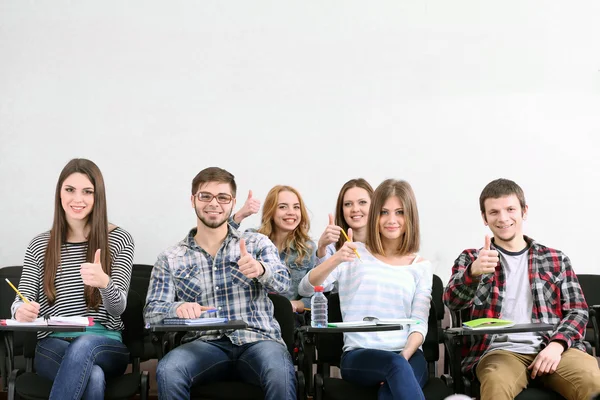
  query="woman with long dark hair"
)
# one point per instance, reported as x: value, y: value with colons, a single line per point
x: 81, y: 267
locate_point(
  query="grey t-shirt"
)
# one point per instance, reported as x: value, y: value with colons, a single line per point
x: 517, y: 305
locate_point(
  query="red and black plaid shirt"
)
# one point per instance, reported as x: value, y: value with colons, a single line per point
x: 557, y: 297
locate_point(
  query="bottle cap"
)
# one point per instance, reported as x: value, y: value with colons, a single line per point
x: 318, y: 288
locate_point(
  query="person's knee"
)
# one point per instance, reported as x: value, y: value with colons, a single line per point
x: 97, y: 381
x: 398, y: 365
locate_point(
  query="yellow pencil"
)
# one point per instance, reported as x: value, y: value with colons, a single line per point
x: 17, y: 290
x: 355, y: 251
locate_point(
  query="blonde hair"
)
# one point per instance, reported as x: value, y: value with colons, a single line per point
x: 298, y: 238
x: 411, y: 238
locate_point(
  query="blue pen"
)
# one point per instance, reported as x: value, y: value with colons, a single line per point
x: 212, y: 310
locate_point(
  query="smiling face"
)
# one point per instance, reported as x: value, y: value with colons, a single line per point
x: 287, y: 215
x: 212, y: 213
x: 505, y: 218
x: 356, y: 207
x: 77, y: 197
x: 391, y: 219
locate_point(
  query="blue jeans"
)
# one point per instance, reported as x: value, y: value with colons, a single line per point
x: 265, y: 363
x: 79, y: 368
x: 401, y: 379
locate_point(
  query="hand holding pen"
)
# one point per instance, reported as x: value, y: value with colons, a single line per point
x: 29, y: 310
x: 348, y: 251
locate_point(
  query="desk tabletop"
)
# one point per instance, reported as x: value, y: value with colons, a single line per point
x: 42, y: 328
x: 518, y: 328
x: 346, y: 329
x: 229, y: 325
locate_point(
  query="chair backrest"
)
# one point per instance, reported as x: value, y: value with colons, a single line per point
x: 133, y: 321
x: 437, y: 292
x: 589, y: 285
x: 7, y: 295
x: 284, y: 314
x: 140, y: 279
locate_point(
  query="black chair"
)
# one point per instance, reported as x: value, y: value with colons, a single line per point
x: 28, y: 385
x: 590, y: 285
x: 535, y: 391
x: 140, y: 279
x: 14, y: 358
x: 232, y: 389
x: 329, y: 350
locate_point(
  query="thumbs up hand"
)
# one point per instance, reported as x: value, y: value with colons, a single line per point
x: 486, y: 261
x: 248, y: 265
x: 92, y: 274
x: 250, y: 207
x: 330, y: 235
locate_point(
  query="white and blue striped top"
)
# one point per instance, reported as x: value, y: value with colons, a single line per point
x: 70, y: 299
x: 376, y: 289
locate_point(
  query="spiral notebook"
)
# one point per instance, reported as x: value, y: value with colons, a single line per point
x: 51, y: 321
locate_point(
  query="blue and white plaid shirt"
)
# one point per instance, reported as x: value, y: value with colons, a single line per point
x: 187, y: 273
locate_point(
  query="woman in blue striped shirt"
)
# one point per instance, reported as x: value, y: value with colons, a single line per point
x: 81, y: 267
x: 389, y: 281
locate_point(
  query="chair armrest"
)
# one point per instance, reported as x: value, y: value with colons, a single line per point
x: 595, y: 316
x: 318, y: 387
x: 301, y: 388
x: 12, y: 383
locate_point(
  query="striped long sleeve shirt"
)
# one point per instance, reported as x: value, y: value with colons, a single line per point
x: 372, y: 288
x: 187, y: 273
x: 70, y: 300
x: 557, y: 297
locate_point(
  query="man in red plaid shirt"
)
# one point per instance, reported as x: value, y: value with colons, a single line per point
x: 513, y: 277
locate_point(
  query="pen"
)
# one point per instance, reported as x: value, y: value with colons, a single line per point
x: 355, y: 251
x: 17, y: 290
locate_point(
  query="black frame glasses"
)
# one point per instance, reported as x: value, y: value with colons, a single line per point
x: 207, y: 197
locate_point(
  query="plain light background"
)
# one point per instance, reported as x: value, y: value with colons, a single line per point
x: 445, y: 94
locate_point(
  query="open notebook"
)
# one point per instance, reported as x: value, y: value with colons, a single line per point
x: 374, y: 321
x: 51, y: 321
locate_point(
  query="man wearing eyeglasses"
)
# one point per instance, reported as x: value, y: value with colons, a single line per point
x: 217, y: 267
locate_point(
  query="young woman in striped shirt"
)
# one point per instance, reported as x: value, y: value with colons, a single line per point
x: 81, y: 267
x: 389, y: 281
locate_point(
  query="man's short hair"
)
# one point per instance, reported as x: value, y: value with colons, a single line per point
x: 214, y: 174
x: 501, y: 188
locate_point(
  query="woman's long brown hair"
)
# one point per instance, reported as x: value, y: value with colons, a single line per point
x: 98, y: 235
x: 298, y: 237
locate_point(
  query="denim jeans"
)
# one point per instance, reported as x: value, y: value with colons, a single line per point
x: 264, y: 363
x: 79, y: 368
x: 401, y: 379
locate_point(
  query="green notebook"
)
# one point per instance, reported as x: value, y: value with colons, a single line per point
x: 488, y: 323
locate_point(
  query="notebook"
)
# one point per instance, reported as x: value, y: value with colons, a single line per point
x: 383, y: 321
x: 193, y: 321
x: 488, y: 323
x: 51, y: 321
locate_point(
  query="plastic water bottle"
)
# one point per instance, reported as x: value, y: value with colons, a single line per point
x: 318, y: 309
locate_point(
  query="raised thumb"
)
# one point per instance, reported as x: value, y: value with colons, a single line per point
x: 243, y: 250
x: 331, y: 220
x: 488, y: 243
x: 97, y: 257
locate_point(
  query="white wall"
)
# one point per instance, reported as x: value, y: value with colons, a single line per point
x: 446, y: 94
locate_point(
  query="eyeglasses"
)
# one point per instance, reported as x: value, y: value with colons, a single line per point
x: 206, y: 197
